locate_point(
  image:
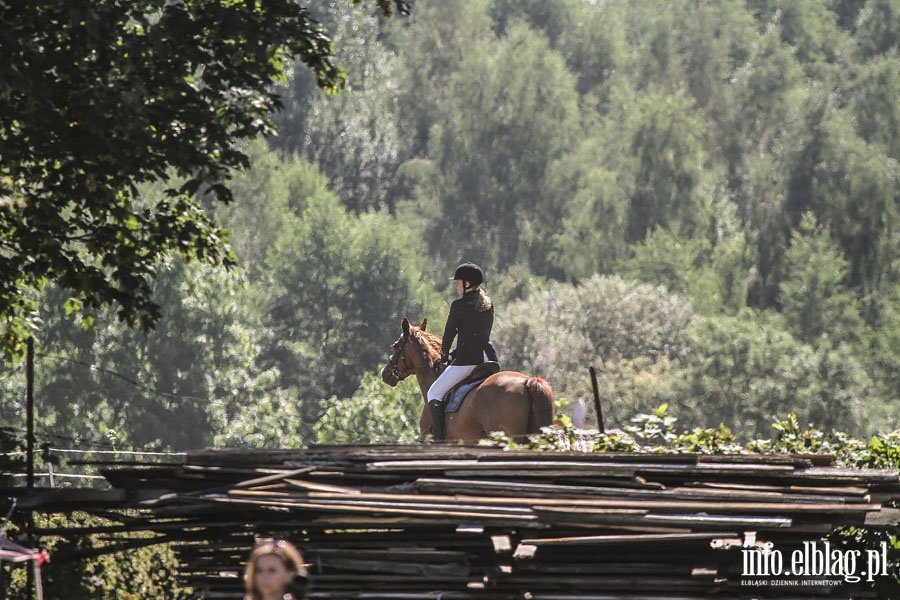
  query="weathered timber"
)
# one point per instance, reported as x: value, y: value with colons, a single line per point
x: 456, y: 522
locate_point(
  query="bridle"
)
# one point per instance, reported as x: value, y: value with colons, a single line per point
x: 394, y: 360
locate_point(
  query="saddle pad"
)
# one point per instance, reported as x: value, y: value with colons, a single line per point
x: 454, y: 398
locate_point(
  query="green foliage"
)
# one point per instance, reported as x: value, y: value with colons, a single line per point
x: 713, y: 271
x: 592, y: 40
x: 264, y: 416
x: 375, y: 414
x: 563, y: 436
x: 353, y: 137
x: 861, y: 539
x: 657, y: 427
x: 881, y: 452
x: 69, y: 210
x: 633, y: 386
x: 814, y: 297
x: 10, y: 462
x: 876, y: 81
x: 790, y: 438
x: 657, y: 432
x: 142, y: 571
x: 718, y: 440
x: 160, y: 388
x: 665, y: 141
x: 744, y: 369
x: 335, y: 288
x: 594, y: 205
x: 736, y: 160
x: 846, y: 181
x: 265, y: 192
x: 676, y: 263
x: 808, y: 27
x: 508, y: 108
x: 884, y: 339
x: 625, y: 327
x: 878, y: 28
x: 454, y: 27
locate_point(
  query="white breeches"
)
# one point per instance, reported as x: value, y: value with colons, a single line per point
x: 450, y: 377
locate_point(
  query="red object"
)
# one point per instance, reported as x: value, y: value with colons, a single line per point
x: 14, y: 552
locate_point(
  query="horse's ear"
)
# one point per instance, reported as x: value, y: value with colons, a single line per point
x: 424, y: 324
x: 405, y: 326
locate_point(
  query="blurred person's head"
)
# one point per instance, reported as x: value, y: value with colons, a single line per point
x: 274, y: 569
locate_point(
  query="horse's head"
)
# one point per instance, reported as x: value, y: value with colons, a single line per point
x: 411, y: 353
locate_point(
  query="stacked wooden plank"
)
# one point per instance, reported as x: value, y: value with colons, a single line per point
x: 428, y: 522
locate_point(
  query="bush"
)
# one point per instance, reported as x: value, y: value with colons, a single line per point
x: 140, y: 572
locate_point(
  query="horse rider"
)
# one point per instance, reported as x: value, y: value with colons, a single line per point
x: 469, y: 322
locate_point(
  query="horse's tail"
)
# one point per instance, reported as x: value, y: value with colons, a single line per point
x: 541, y: 410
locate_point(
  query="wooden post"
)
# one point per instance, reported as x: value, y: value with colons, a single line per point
x: 29, y: 445
x: 597, y: 400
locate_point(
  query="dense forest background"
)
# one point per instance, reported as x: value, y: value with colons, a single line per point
x: 701, y: 199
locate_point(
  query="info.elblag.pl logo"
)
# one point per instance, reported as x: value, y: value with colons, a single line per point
x: 814, y: 559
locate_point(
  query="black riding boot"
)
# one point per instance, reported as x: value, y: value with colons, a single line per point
x: 436, y: 408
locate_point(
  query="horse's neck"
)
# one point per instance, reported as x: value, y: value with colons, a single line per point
x: 426, y: 377
x: 425, y: 380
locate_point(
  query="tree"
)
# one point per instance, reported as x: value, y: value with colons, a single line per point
x: 875, y: 86
x: 624, y: 326
x: 748, y: 370
x: 594, y: 205
x: 510, y: 108
x: 814, y: 296
x: 766, y: 92
x: 849, y: 185
x: 439, y: 37
x: 878, y: 28
x: 100, y: 96
x: 334, y: 289
x: 665, y: 140
x: 713, y: 269
x: 10, y: 461
x: 352, y: 137
x: 171, y: 387
x: 270, y: 192
x: 885, y: 340
x: 375, y: 414
x: 810, y: 27
x: 85, y: 568
x: 589, y: 35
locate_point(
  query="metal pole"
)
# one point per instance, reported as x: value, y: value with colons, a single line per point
x: 597, y: 400
x: 29, y: 412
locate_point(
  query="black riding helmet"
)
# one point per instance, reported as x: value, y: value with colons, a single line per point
x: 469, y: 272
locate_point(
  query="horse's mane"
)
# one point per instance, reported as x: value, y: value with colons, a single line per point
x: 433, y: 343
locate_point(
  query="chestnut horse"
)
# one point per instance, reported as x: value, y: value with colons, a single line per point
x: 507, y: 401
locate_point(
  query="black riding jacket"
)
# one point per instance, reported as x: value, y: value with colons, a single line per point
x: 473, y: 329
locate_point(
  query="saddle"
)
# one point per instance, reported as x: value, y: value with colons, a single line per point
x: 454, y: 398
